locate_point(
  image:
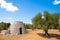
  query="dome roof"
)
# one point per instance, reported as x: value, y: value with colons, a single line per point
x: 17, y: 24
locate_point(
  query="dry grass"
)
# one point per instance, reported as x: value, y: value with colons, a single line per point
x: 33, y: 35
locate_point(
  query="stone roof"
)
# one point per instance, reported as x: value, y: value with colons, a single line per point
x: 17, y: 24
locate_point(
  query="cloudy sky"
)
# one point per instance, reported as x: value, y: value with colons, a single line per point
x: 24, y: 10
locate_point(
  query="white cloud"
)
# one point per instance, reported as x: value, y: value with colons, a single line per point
x: 56, y: 2
x: 8, y: 18
x: 8, y: 6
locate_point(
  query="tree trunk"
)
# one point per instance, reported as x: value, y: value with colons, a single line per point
x: 46, y: 33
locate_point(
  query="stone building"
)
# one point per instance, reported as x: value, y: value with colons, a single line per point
x: 16, y: 28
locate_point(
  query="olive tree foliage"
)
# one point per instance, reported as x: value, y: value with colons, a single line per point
x: 59, y: 22
x: 43, y: 22
x: 28, y: 26
x: 36, y: 21
x: 55, y: 20
x: 59, y: 25
x: 50, y: 21
x: 4, y: 26
x: 46, y: 22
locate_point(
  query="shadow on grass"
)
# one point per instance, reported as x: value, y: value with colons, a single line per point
x: 57, y: 36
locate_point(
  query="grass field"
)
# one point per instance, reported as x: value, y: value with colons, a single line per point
x: 33, y: 35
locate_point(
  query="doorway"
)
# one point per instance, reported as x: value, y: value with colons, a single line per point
x: 20, y: 30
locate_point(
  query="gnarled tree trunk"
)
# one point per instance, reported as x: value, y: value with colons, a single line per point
x: 46, y: 33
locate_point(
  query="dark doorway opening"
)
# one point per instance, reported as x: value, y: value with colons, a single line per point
x: 20, y: 30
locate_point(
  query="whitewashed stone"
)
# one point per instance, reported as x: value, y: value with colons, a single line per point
x: 17, y: 28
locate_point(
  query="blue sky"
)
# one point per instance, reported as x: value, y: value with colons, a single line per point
x: 24, y: 10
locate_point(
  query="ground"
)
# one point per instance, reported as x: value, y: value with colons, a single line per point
x: 33, y: 35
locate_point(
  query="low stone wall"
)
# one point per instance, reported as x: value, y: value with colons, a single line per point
x: 5, y: 32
